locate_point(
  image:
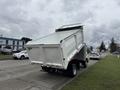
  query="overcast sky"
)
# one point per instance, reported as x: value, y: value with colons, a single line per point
x: 36, y: 18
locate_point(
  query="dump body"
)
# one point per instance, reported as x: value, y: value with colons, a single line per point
x: 56, y: 50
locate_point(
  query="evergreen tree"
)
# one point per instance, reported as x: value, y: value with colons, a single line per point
x: 102, y: 47
x: 113, y: 45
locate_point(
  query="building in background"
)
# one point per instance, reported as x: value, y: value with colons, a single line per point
x: 14, y: 44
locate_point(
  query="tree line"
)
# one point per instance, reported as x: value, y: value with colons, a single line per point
x: 113, y: 46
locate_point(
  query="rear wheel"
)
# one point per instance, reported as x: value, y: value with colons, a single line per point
x: 72, y: 70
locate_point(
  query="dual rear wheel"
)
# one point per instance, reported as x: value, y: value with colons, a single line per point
x: 73, y: 68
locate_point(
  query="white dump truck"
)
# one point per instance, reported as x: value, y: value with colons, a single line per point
x: 63, y: 50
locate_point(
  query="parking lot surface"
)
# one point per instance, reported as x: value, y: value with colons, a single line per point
x: 22, y: 75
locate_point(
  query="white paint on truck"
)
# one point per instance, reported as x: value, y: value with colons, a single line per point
x: 57, y: 50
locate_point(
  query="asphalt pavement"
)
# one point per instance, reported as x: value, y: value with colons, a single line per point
x: 22, y: 75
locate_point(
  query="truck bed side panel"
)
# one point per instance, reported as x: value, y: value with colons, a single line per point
x: 71, y: 46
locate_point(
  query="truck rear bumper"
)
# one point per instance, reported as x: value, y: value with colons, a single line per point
x: 51, y: 65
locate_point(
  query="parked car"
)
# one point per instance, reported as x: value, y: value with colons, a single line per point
x: 21, y: 55
x: 17, y: 50
x: 95, y: 56
x: 116, y: 53
x: 6, y: 50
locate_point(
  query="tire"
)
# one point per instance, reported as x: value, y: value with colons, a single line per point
x: 72, y: 70
x: 22, y: 57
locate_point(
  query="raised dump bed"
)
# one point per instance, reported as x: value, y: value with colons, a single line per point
x: 63, y: 50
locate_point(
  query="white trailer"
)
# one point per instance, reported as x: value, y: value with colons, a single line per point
x: 63, y: 50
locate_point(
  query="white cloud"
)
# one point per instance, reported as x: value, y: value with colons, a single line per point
x: 36, y: 18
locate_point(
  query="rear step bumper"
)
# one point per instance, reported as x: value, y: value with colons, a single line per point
x: 52, y: 65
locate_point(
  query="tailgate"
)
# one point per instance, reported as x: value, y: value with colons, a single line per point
x: 47, y: 55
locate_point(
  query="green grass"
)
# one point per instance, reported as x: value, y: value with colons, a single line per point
x: 104, y: 75
x: 5, y: 57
